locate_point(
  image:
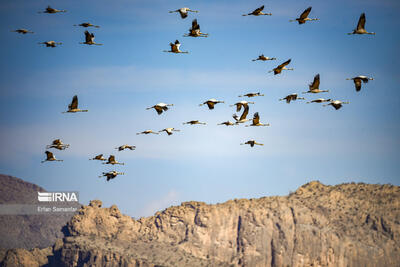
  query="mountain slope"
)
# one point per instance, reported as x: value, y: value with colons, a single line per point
x: 26, y: 231
x: 318, y: 225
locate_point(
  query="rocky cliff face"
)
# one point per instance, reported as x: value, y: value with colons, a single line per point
x: 318, y: 225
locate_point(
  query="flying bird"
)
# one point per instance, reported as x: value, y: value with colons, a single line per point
x: 160, y: 107
x: 241, y: 104
x: 50, y: 10
x: 258, y: 12
x: 194, y: 31
x: 226, y: 123
x: 337, y: 104
x: 184, y: 12
x: 51, y: 43
x: 304, y: 17
x: 87, y: 24
x: 357, y: 81
x: 22, y: 31
x: 111, y: 160
x: 73, y: 107
x: 58, y: 144
x: 256, y: 121
x: 252, y: 143
x: 169, y: 131
x: 252, y: 95
x: 319, y: 100
x: 243, y: 117
x: 175, y: 48
x: 281, y: 67
x: 89, y: 39
x: 194, y: 122
x: 361, y: 26
x: 98, y: 157
x: 263, y: 58
x: 123, y: 147
x: 314, y: 86
x: 50, y: 157
x: 111, y: 175
x: 147, y: 132
x: 291, y: 97
x: 211, y: 103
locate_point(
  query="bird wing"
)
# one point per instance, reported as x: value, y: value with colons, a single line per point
x: 49, y: 155
x: 159, y: 110
x: 357, y: 83
x: 256, y: 118
x: 183, y: 14
x: 315, y: 83
x: 238, y: 106
x: 336, y: 106
x: 111, y: 158
x: 195, y: 25
x: 284, y: 64
x: 74, y: 103
x: 258, y: 10
x: 361, y: 22
x: 57, y: 142
x: 245, y: 112
x: 210, y: 105
x: 305, y: 13
x: 88, y: 37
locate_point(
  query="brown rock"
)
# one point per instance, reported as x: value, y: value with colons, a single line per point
x: 318, y: 225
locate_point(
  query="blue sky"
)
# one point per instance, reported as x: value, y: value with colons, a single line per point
x: 118, y: 80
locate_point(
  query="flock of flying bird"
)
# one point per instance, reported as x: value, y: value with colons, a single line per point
x: 160, y: 108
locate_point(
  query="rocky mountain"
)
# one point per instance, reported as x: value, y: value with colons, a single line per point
x: 26, y: 231
x: 317, y: 225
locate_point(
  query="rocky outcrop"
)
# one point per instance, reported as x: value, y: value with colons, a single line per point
x: 318, y: 225
x: 27, y: 231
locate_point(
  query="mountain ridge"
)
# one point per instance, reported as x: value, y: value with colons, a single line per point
x: 317, y: 225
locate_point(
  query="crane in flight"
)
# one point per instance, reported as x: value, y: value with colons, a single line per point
x: 73, y: 107
x: 304, y: 17
x: 361, y: 26
x: 258, y: 12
